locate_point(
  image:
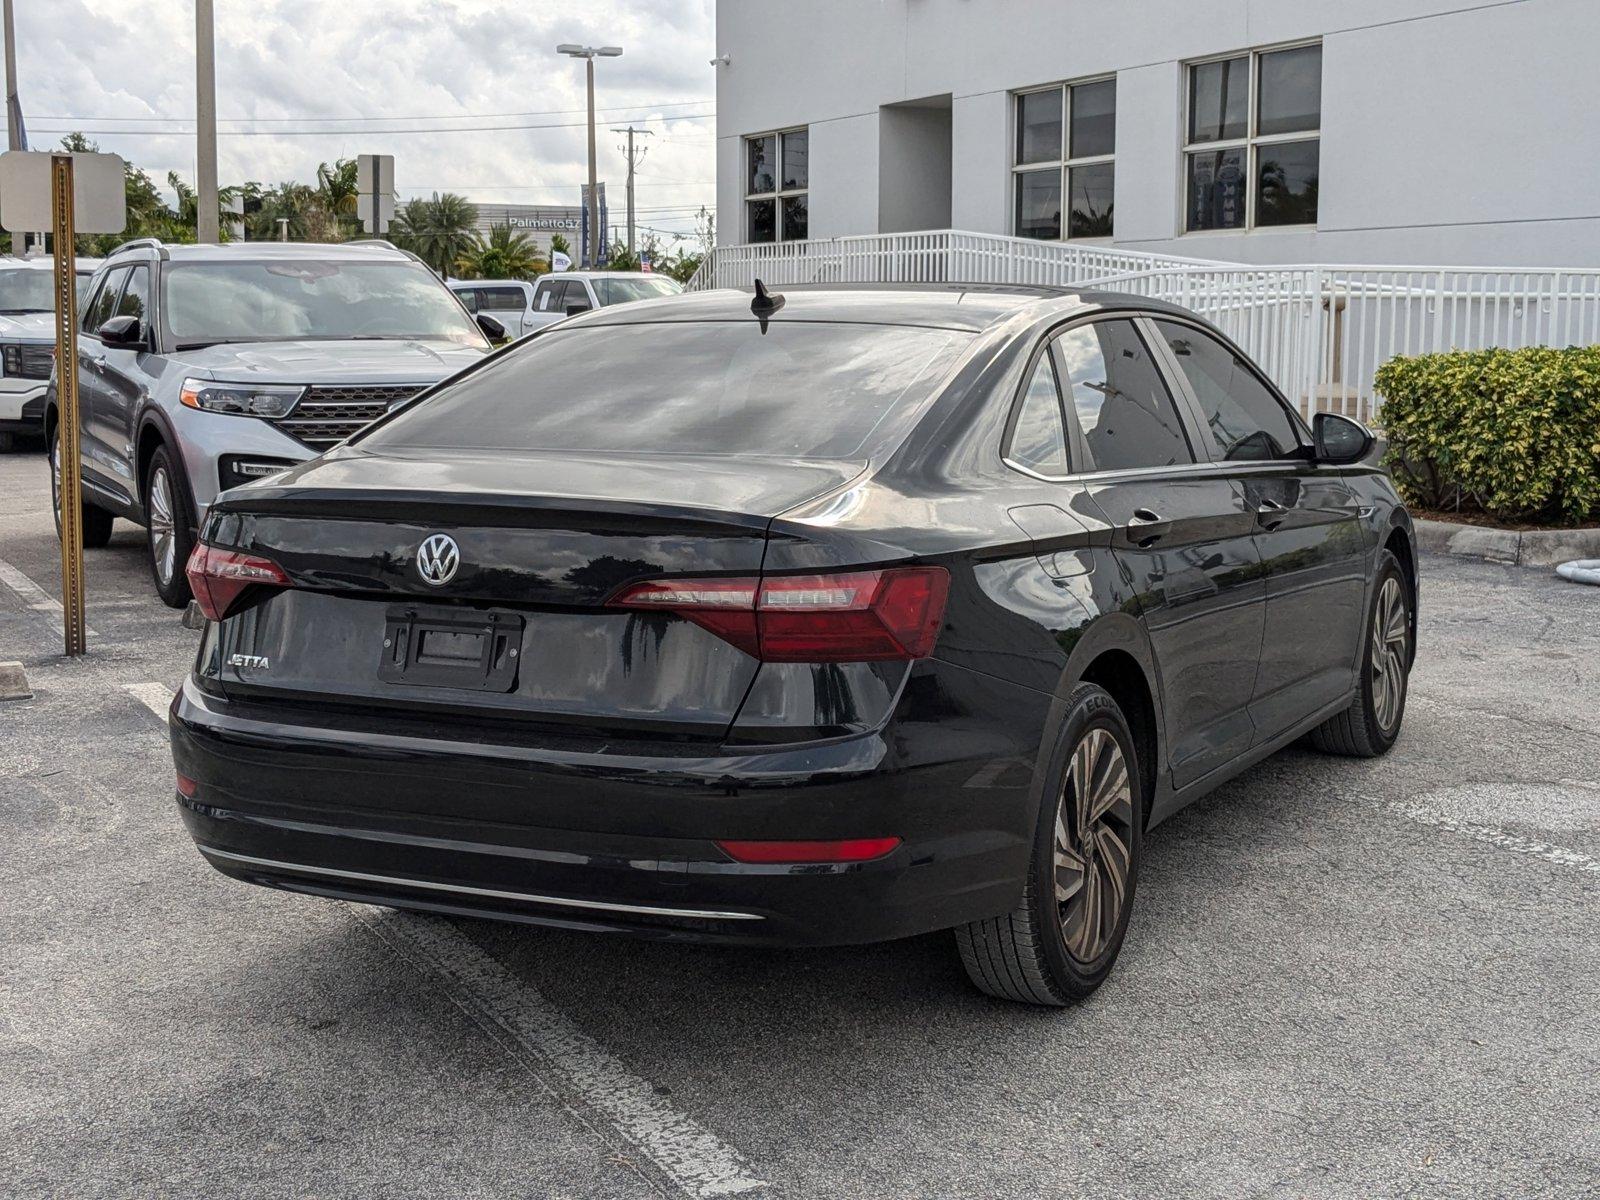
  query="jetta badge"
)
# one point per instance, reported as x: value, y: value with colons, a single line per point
x: 437, y: 559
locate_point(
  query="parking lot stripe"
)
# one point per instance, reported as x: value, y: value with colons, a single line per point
x: 154, y: 696
x: 32, y: 595
x: 692, y: 1159
x: 1561, y: 856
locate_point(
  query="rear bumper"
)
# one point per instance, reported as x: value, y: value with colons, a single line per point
x: 599, y: 838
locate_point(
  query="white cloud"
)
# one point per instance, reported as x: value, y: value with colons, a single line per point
x: 81, y: 62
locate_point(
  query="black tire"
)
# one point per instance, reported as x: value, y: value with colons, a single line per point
x: 1026, y: 955
x: 168, y: 512
x: 1372, y: 722
x: 95, y: 522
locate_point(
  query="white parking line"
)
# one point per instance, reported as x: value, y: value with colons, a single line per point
x: 574, y: 1066
x: 154, y: 696
x: 32, y: 595
x: 1505, y: 839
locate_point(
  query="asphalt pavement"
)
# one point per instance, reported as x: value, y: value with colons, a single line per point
x: 1343, y: 978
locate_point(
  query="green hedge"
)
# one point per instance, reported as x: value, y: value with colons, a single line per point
x: 1513, y: 433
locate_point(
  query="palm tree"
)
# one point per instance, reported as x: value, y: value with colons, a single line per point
x: 298, y: 204
x: 501, y: 255
x: 438, y: 231
x: 339, y: 189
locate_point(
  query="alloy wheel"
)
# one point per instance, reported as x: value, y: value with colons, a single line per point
x: 1092, y: 856
x: 163, y: 534
x: 1391, y: 635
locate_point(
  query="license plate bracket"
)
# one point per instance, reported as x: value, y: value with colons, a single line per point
x: 434, y: 646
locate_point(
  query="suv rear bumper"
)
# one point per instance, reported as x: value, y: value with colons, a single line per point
x: 599, y: 839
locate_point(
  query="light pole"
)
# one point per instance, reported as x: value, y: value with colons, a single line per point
x: 14, y: 136
x: 208, y: 215
x: 589, y: 54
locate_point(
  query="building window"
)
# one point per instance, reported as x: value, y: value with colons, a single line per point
x: 776, y: 180
x: 1251, y: 156
x: 1065, y: 150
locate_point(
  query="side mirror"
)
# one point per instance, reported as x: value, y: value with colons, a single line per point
x: 580, y: 307
x: 125, y: 331
x: 1339, y: 440
x: 492, y: 329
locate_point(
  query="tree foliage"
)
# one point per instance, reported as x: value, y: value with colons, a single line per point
x: 438, y: 230
x: 501, y: 255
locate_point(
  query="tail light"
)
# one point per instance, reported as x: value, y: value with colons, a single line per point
x: 218, y: 576
x: 854, y: 616
x: 847, y: 851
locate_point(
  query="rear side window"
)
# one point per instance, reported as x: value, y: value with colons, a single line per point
x: 1124, y: 411
x: 1245, y: 419
x: 801, y: 390
x: 1039, y: 439
x: 544, y: 294
x: 500, y: 298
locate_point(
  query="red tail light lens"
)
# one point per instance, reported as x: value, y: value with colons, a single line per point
x: 854, y: 616
x: 217, y: 576
x: 847, y: 851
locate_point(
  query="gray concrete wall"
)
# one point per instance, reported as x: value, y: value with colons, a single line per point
x: 1453, y: 131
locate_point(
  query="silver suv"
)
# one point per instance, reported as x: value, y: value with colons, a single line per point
x: 204, y: 367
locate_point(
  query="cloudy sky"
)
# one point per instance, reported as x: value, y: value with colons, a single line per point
x: 305, y: 81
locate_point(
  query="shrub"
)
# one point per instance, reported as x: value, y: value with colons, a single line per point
x: 1514, y: 432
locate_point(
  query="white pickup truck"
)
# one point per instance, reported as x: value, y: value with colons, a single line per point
x: 523, y: 307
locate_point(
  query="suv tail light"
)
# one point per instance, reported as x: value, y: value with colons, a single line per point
x: 218, y: 576
x: 853, y: 616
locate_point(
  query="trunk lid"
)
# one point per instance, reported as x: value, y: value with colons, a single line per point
x: 541, y: 540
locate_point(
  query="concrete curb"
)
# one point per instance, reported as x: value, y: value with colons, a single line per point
x: 1527, y: 548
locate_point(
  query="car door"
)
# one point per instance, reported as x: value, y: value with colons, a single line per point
x: 545, y: 310
x: 1182, y: 534
x: 1314, y: 551
x: 505, y: 304
x: 122, y: 381
x: 99, y: 458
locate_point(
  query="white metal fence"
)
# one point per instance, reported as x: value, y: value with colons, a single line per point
x: 1319, y: 331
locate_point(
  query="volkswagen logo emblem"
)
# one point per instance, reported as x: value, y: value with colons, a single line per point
x: 437, y: 559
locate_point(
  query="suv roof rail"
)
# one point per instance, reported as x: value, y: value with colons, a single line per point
x: 151, y: 243
x: 383, y: 242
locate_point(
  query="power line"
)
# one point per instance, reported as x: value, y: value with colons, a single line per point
x: 549, y: 112
x: 351, y: 132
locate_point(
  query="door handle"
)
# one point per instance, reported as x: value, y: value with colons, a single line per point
x: 1146, y: 527
x: 95, y: 360
x: 1270, y: 514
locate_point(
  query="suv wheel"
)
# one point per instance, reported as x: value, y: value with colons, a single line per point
x: 95, y: 522
x: 1372, y: 722
x: 1060, y: 943
x: 170, y: 534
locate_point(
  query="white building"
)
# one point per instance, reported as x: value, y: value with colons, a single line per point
x: 1448, y: 132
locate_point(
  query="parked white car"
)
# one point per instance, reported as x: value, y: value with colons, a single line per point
x: 28, y: 340
x: 509, y: 301
x: 562, y: 293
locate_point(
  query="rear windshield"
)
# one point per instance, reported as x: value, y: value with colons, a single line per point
x: 799, y: 390
x: 620, y: 291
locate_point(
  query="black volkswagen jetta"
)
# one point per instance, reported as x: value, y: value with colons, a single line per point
x: 868, y: 613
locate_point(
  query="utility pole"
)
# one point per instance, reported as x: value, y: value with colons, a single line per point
x: 589, y: 54
x: 16, y: 139
x: 208, y: 217
x: 632, y: 162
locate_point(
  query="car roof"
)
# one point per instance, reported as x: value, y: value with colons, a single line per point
x: 965, y: 306
x: 357, y: 251
x: 605, y: 275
